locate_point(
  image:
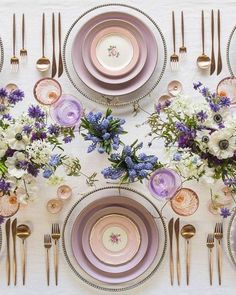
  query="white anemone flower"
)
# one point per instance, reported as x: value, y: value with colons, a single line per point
x: 16, y: 138
x: 12, y: 164
x: 222, y: 143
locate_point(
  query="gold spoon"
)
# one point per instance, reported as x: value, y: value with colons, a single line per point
x: 203, y: 60
x: 23, y: 232
x: 43, y: 63
x: 187, y: 232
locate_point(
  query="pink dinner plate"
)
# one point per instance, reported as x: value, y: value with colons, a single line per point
x: 115, y: 239
x: 115, y: 89
x: 114, y: 51
x: 91, y: 35
x: 141, y: 251
x: 93, y: 270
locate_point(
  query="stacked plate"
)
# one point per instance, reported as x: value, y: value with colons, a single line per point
x: 1, y: 54
x: 111, y: 239
x: 114, y: 53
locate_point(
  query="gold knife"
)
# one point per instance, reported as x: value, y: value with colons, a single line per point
x: 13, y: 232
x: 54, y: 65
x: 170, y: 229
x: 8, y: 262
x: 60, y: 63
x: 177, y: 250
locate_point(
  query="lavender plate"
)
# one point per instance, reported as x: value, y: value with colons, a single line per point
x: 122, y: 94
x: 86, y: 236
x: 138, y: 204
x: 87, y: 46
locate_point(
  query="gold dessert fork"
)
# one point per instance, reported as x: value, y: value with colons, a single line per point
x: 23, y: 51
x: 210, y: 246
x: 14, y: 60
x: 56, y: 236
x: 219, y: 236
x: 182, y: 49
x: 47, y: 246
x: 174, y: 59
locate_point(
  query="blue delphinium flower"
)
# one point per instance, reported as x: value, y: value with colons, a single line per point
x: 67, y: 139
x: 225, y: 212
x: 225, y: 102
x: 130, y: 167
x: 7, y: 117
x: 103, y: 131
x: 201, y: 116
x: 36, y: 112
x: 54, y: 129
x: 54, y: 160
x: 47, y: 173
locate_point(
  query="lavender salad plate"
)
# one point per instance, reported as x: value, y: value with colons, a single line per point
x: 115, y: 94
x: 75, y: 225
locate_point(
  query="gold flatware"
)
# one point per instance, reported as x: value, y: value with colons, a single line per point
x: 177, y: 250
x: 23, y: 51
x: 47, y: 246
x: 170, y: 229
x: 219, y: 236
x: 188, y: 231
x: 54, y: 65
x: 210, y: 246
x: 203, y: 61
x: 13, y: 232
x: 60, y: 63
x: 14, y: 60
x: 8, y: 262
x: 182, y: 49
x: 174, y: 59
x: 56, y: 236
x: 43, y: 63
x: 219, y: 59
x: 213, y: 64
x: 23, y: 232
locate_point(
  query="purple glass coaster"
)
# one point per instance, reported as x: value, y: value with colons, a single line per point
x: 67, y: 111
x: 164, y: 183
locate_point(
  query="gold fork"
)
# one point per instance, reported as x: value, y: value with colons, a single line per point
x: 23, y: 51
x: 56, y: 236
x: 219, y: 236
x: 210, y: 246
x: 47, y: 246
x: 174, y: 59
x: 182, y: 49
x: 14, y: 60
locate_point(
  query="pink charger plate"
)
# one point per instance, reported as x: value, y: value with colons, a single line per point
x: 85, y: 215
x: 142, y: 249
x: 119, y: 89
x: 86, y: 48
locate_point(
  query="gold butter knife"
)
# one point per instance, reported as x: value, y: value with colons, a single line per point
x: 8, y: 262
x: 213, y: 65
x: 177, y: 250
x: 170, y: 229
x: 60, y: 63
x: 13, y: 232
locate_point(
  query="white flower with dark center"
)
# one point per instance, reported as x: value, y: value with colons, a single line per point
x: 3, y: 148
x: 222, y: 143
x: 203, y: 137
x: 14, y: 165
x: 16, y: 138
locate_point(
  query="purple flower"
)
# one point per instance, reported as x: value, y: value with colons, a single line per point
x: 181, y: 127
x: 27, y: 129
x: 15, y: 96
x: 3, y: 92
x: 225, y: 102
x: 197, y: 85
x: 38, y: 136
x: 67, y: 139
x: 201, y: 116
x: 4, y: 186
x: 101, y: 150
x: 214, y: 107
x: 112, y: 173
x: 32, y: 169
x: 230, y: 181
x: 158, y: 108
x: 225, y: 212
x: 91, y: 148
x: 205, y: 91
x: 36, y: 112
x: 7, y: 117
x: 9, y: 152
x: 54, y: 129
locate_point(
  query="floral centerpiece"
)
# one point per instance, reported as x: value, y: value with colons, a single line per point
x: 29, y: 146
x: 200, y: 137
